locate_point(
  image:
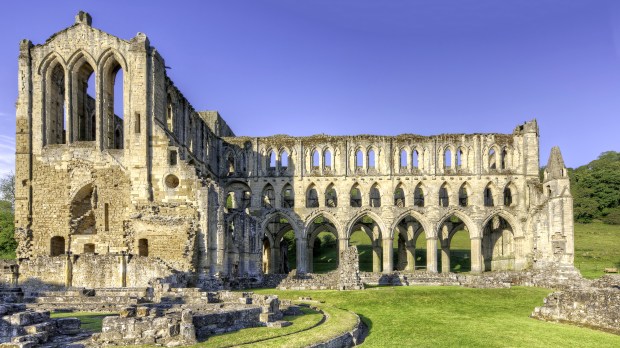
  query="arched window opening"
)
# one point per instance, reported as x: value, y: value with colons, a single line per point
x: 56, y: 111
x: 143, y: 247
x: 89, y: 248
x: 288, y: 198
x: 416, y: 157
x: 315, y: 159
x: 447, y: 163
x: 359, y: 159
x: 57, y: 246
x: 113, y: 107
x: 231, y: 164
x: 418, y: 197
x: 331, y: 197
x: 371, y: 159
x: 488, y: 197
x: 459, y: 158
x: 327, y: 160
x: 375, y: 196
x: 312, y: 198
x: 549, y: 192
x: 284, y: 160
x: 230, y: 200
x: 271, y: 164
x: 356, y: 197
x: 268, y: 197
x: 503, y: 158
x: 403, y: 158
x: 492, y: 159
x: 246, y: 199
x: 169, y: 114
x: 444, y: 199
x: 463, y: 196
x: 84, y: 124
x: 399, y: 197
x: 498, y: 247
x: 507, y: 197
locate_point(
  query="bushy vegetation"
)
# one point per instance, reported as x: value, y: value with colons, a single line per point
x: 596, y: 189
x: 7, y: 226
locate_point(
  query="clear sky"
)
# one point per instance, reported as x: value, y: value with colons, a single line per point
x: 347, y: 67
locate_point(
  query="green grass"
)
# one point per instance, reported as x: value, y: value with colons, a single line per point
x: 596, y: 248
x: 91, y: 321
x: 455, y: 317
x: 309, y: 319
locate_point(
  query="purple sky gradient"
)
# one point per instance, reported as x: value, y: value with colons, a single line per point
x: 355, y: 66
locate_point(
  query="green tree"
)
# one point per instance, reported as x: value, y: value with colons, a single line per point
x: 7, y: 226
x: 596, y: 188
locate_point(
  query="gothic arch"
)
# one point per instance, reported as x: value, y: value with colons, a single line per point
x: 366, y: 212
x: 326, y: 215
x: 509, y: 217
x: 467, y: 221
x: 293, y: 222
x: 426, y: 224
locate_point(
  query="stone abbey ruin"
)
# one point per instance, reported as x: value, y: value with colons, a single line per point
x: 162, y: 199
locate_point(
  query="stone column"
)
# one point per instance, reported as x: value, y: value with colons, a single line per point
x: 122, y: 270
x: 302, y: 255
x: 410, y: 249
x: 310, y: 268
x: 68, y: 270
x: 445, y: 256
x: 519, y: 257
x: 477, y: 265
x: 388, y: 258
x: 376, y: 257
x: 431, y: 254
x: 343, y: 244
x: 273, y: 261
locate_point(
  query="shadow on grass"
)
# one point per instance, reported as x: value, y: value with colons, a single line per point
x: 367, y: 328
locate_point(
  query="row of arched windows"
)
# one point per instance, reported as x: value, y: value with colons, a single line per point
x: 374, y: 197
x: 74, y: 84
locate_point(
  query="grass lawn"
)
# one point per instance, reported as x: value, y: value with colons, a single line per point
x: 90, y: 320
x: 455, y: 317
x: 597, y: 246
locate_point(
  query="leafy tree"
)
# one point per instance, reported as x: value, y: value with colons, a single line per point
x: 7, y: 227
x: 596, y: 189
x: 7, y: 189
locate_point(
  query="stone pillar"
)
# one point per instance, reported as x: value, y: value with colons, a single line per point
x: 343, y: 244
x: 520, y: 261
x: 273, y: 260
x: 477, y: 265
x: 445, y: 256
x: 122, y: 263
x: 388, y: 257
x: 431, y: 254
x: 302, y: 257
x: 376, y: 257
x: 310, y: 267
x: 68, y: 270
x: 410, y: 249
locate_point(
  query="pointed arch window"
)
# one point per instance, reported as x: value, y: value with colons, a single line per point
x: 359, y: 159
x: 312, y: 198
x: 356, y: 197
x: 288, y: 198
x: 399, y: 197
x: 327, y: 160
x: 55, y: 111
x: 315, y: 159
x: 418, y: 197
x: 403, y: 158
x: 375, y: 196
x: 488, y: 197
x: 331, y: 197
x: 463, y: 196
x: 507, y: 197
x: 444, y: 199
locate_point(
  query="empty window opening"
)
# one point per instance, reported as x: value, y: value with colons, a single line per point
x: 492, y: 159
x: 57, y: 246
x: 143, y: 247
x: 114, y: 107
x: 55, y: 111
x: 416, y: 156
x: 288, y: 199
x: 315, y: 159
x: 444, y: 199
x: 106, y: 217
x: 447, y: 159
x: 463, y: 196
x: 359, y: 159
x: 246, y: 199
x: 507, y: 197
x: 230, y: 200
x: 503, y: 158
x: 356, y: 197
x: 89, y: 248
x: 327, y: 160
x: 418, y: 197
x: 231, y: 164
x: 459, y: 158
x: 375, y: 196
x: 272, y: 160
x: 173, y: 158
x: 84, y: 127
x: 312, y: 198
x: 284, y: 160
x: 403, y: 158
x: 371, y: 159
x: 331, y: 197
x: 269, y: 197
x: 137, y: 123
x: 488, y: 197
x: 399, y: 197
x: 170, y: 115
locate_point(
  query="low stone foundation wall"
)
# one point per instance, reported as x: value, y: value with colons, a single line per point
x: 592, y: 307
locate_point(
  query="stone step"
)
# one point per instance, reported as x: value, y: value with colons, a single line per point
x: 38, y: 328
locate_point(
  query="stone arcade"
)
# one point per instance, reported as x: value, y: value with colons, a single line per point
x: 108, y: 199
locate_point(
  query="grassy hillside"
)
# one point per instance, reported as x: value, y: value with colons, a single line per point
x: 597, y: 246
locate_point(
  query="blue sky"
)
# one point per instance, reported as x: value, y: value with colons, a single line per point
x: 356, y: 67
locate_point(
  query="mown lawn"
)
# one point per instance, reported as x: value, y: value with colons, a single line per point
x: 456, y: 317
x: 91, y: 321
x: 597, y: 246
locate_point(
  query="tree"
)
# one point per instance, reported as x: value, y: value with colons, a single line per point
x: 596, y: 188
x: 7, y: 189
